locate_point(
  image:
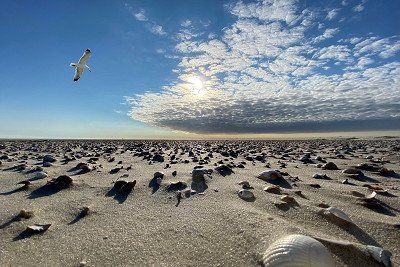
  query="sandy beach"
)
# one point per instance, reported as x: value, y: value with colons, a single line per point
x: 175, y: 218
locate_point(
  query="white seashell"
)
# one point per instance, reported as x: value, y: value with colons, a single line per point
x: 269, y: 175
x: 380, y: 255
x: 338, y: 214
x: 299, y: 251
x: 40, y: 175
x: 371, y: 196
x: 246, y: 194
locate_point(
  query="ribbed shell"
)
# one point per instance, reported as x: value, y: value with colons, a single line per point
x: 298, y: 251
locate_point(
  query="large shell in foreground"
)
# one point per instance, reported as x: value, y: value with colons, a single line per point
x: 299, y: 251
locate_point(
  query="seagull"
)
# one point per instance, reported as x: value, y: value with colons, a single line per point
x: 81, y: 65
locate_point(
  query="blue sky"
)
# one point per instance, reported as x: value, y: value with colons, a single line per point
x: 160, y: 68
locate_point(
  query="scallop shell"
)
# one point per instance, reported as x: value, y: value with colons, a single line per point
x: 337, y: 214
x: 269, y: 175
x: 299, y: 251
x: 246, y: 194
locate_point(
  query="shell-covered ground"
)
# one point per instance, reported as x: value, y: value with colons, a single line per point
x: 201, y: 220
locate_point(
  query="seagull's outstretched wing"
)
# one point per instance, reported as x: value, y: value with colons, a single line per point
x: 84, y: 57
x: 78, y: 73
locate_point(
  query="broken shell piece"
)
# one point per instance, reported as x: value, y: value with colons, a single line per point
x: 224, y: 170
x: 371, y: 196
x: 288, y: 199
x: 119, y: 184
x: 320, y: 176
x: 245, y: 184
x: 37, y: 228
x: 175, y: 186
x: 330, y: 166
x: 337, y: 216
x: 39, y: 175
x: 353, y: 172
x: 63, y: 181
x: 297, y: 250
x: 377, y: 253
x: 85, y: 211
x: 23, y: 214
x: 315, y: 185
x: 380, y: 255
x: 25, y: 184
x: 246, y: 194
x: 269, y: 174
x: 274, y: 189
x: 128, y: 187
x: 345, y: 181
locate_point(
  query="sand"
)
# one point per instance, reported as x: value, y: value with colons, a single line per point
x: 215, y: 227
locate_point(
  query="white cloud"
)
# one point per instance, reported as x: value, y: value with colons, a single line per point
x: 364, y: 61
x: 328, y: 33
x: 186, y: 23
x: 335, y: 52
x: 384, y: 47
x: 150, y: 25
x: 360, y: 7
x: 332, y: 14
x: 268, y: 71
x: 140, y: 15
x: 157, y: 30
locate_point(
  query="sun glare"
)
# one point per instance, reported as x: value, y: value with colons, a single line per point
x: 196, y: 85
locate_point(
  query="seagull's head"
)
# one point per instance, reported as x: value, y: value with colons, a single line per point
x: 88, y: 50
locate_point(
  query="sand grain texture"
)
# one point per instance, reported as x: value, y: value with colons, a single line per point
x: 150, y: 227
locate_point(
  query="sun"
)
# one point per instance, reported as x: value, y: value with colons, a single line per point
x: 196, y: 85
